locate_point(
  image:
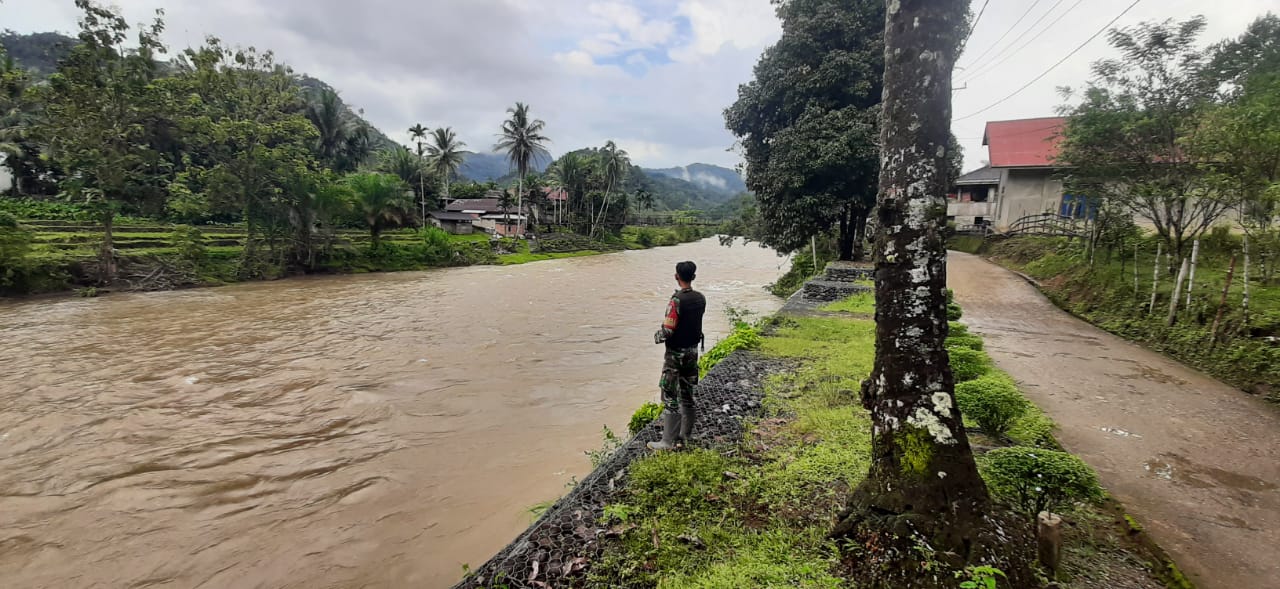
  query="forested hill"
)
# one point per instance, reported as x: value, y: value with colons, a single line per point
x: 39, y: 54
x: 705, y: 176
x: 483, y: 167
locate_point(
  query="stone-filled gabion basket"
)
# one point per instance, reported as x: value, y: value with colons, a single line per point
x: 560, y: 546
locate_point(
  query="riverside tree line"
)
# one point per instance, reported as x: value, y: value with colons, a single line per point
x: 230, y: 135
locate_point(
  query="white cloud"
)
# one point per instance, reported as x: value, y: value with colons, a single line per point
x: 994, y: 82
x: 716, y: 23
x: 462, y: 63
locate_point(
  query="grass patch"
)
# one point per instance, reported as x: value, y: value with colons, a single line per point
x: 863, y: 303
x: 763, y: 524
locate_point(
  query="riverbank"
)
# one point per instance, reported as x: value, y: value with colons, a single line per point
x: 1245, y: 349
x: 59, y: 256
x: 751, y: 507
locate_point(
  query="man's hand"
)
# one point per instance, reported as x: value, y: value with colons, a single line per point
x: 659, y: 336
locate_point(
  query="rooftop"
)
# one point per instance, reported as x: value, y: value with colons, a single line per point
x: 1024, y: 143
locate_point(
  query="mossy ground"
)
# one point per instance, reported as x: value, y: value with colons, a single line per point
x: 757, y: 514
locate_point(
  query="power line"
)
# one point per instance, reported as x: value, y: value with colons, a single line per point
x: 1052, y: 67
x: 1007, y: 31
x: 974, y: 27
x: 991, y: 66
x: 1005, y: 52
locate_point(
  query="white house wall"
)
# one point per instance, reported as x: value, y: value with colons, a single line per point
x: 1026, y: 192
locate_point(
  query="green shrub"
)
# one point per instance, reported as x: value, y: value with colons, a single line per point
x: 744, y: 337
x: 971, y: 342
x: 48, y: 210
x: 676, y: 480
x: 967, y: 364
x: 1036, y: 479
x: 437, y: 247
x: 954, y: 313
x: 993, y: 401
x: 643, y: 416
x: 957, y: 328
x: 644, y: 237
x: 1034, y: 428
x: 189, y: 242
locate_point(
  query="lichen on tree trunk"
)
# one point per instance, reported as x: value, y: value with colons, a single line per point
x: 923, y: 483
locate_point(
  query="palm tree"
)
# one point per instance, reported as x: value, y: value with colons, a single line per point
x: 401, y: 162
x: 524, y: 144
x: 418, y: 133
x: 570, y: 172
x: 446, y: 155
x: 382, y: 199
x: 614, y: 164
x: 324, y: 110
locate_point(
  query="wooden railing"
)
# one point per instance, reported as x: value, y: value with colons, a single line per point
x: 1049, y: 224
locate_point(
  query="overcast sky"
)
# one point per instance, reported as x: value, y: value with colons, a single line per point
x: 653, y: 75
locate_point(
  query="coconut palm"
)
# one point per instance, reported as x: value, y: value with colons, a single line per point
x: 614, y: 164
x: 524, y: 144
x: 446, y: 155
x: 401, y: 162
x: 418, y: 134
x: 571, y: 172
x: 382, y: 199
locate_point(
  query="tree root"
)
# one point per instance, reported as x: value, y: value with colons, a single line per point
x: 932, y: 551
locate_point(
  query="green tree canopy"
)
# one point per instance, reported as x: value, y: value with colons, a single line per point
x: 806, y: 123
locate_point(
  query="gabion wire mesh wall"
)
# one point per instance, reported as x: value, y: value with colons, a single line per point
x: 555, y: 551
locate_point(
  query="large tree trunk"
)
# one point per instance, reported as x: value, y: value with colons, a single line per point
x: 923, y: 484
x: 859, y: 234
x: 845, y: 240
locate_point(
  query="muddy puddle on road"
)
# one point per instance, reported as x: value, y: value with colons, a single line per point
x: 376, y: 430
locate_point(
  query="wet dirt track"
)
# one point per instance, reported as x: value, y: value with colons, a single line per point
x: 1196, y: 461
x: 346, y: 431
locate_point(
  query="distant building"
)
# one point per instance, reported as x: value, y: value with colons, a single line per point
x: 1020, y: 179
x: 455, y: 223
x: 488, y: 214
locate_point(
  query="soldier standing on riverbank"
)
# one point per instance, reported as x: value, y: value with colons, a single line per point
x: 682, y: 333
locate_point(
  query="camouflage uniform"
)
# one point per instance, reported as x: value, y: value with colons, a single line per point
x: 679, y: 375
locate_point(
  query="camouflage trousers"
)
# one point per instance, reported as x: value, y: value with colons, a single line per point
x: 679, y: 375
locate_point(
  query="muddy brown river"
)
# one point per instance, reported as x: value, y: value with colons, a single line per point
x: 375, y: 430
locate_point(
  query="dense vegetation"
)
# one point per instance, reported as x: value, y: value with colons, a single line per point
x: 225, y: 152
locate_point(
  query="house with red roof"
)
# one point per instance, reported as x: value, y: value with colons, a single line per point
x: 1019, y: 181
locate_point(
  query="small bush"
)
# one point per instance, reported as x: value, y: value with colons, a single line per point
x: 993, y: 401
x: 971, y: 342
x: 967, y: 364
x: 744, y: 337
x: 954, y: 313
x: 643, y: 416
x: 189, y: 242
x: 644, y: 237
x: 672, y: 480
x: 957, y: 328
x: 1034, y: 428
x: 437, y: 247
x: 1035, y: 479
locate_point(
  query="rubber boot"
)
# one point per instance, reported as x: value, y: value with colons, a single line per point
x: 670, y: 429
x: 687, y: 416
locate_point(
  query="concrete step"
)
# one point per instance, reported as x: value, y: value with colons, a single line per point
x: 832, y: 290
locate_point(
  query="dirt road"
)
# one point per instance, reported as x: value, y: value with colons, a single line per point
x: 1194, y: 460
